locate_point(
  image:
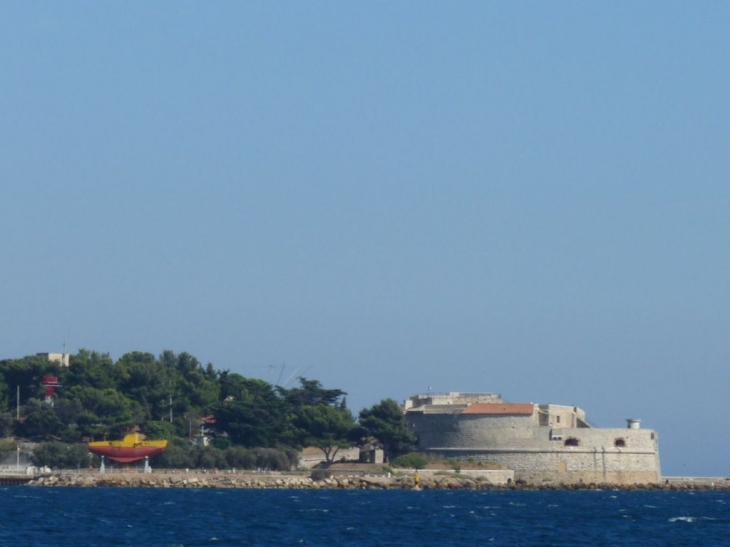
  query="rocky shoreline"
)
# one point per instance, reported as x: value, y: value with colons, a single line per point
x: 261, y: 481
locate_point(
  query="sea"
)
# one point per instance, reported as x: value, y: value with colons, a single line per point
x: 39, y: 516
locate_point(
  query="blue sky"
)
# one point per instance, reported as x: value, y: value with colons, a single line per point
x: 525, y: 198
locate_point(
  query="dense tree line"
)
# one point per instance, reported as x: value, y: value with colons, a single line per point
x: 170, y: 396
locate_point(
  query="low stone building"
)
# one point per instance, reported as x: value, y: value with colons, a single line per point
x: 372, y: 453
x: 542, y: 443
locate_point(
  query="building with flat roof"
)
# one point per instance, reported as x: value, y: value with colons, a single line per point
x: 63, y: 358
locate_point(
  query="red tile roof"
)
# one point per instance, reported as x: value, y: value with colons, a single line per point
x: 499, y: 408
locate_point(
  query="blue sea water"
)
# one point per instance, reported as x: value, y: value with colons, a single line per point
x: 186, y: 517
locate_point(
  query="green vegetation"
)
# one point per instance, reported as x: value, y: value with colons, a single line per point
x: 319, y: 474
x: 253, y: 424
x: 386, y: 422
x: 61, y: 455
x: 412, y: 460
x: 6, y: 447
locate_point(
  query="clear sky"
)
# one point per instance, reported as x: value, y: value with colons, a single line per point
x: 528, y: 198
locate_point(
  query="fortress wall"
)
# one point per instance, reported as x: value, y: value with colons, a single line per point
x: 454, y: 430
x: 618, y: 456
x: 631, y: 439
x: 477, y: 431
x: 558, y: 467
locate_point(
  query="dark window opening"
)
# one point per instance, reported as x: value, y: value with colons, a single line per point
x: 619, y: 443
x: 572, y: 441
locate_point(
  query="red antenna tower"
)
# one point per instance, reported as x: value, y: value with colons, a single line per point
x: 50, y: 383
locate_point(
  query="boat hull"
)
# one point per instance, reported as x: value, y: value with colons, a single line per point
x: 129, y: 450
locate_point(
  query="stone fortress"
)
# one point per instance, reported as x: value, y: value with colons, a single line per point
x: 542, y: 443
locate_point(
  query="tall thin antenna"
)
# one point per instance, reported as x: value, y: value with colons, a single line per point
x: 283, y: 366
x: 294, y: 373
x: 290, y: 377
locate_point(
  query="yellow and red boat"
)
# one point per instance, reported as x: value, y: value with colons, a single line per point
x: 132, y: 448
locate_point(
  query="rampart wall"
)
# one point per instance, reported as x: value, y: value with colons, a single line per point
x: 542, y: 454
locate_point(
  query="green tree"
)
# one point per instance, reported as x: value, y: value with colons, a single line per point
x: 196, y: 388
x: 310, y: 393
x: 252, y: 413
x: 276, y: 459
x: 106, y: 412
x: 68, y: 410
x: 178, y: 455
x: 159, y: 429
x: 40, y: 420
x: 148, y: 382
x: 210, y: 457
x: 61, y: 456
x: 6, y: 447
x: 4, y: 394
x: 92, y: 368
x: 386, y: 422
x: 7, y: 424
x: 326, y: 427
x: 241, y: 458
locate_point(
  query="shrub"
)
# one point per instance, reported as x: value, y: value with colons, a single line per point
x: 209, y: 457
x: 7, y: 446
x: 241, y: 458
x: 413, y: 460
x: 176, y: 456
x: 455, y: 465
x: 60, y: 456
x: 273, y: 458
x: 320, y: 474
x: 222, y: 443
x: 159, y: 430
x: 71, y: 434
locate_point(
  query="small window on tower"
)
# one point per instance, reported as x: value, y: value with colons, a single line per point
x: 557, y: 419
x: 572, y: 441
x: 619, y: 443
